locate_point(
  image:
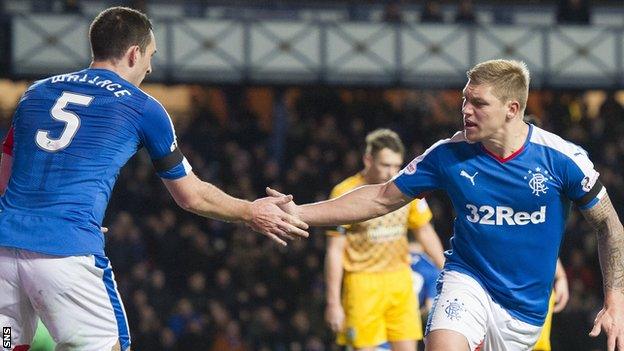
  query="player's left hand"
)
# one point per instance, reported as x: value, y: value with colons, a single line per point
x: 611, y: 320
x: 562, y: 294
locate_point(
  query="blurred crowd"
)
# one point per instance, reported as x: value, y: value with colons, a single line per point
x: 190, y: 283
x: 577, y: 12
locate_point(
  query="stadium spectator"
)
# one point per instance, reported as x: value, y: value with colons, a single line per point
x: 71, y: 6
x: 465, y: 13
x: 392, y: 13
x: 573, y: 12
x: 431, y: 12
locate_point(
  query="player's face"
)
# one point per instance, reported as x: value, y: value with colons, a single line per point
x: 384, y: 165
x: 484, y: 114
x: 144, y: 62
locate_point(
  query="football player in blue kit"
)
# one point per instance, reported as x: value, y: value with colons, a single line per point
x: 71, y: 134
x: 511, y: 185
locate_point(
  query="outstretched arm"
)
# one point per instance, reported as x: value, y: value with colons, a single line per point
x: 361, y: 204
x: 604, y: 219
x: 262, y: 215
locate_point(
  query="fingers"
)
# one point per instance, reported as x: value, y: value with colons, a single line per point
x: 559, y: 304
x: 294, y: 230
x: 283, y: 233
x: 596, y: 329
x: 273, y: 192
x: 104, y: 230
x: 611, y: 342
x: 295, y: 222
x: 335, y: 327
x: 276, y: 239
x: 283, y: 199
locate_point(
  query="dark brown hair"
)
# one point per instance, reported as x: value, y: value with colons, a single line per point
x: 116, y: 29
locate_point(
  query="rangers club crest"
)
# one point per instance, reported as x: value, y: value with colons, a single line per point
x: 454, y: 309
x: 537, y: 180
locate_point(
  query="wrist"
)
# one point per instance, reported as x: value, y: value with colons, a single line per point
x: 333, y: 303
x: 614, y: 297
x: 247, y: 212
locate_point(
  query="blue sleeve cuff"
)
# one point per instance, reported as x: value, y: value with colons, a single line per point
x: 400, y: 183
x: 180, y: 170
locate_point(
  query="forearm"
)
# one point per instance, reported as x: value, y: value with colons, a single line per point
x: 213, y: 203
x: 610, y: 234
x: 560, y: 271
x: 359, y: 205
x: 431, y: 244
x: 333, y: 277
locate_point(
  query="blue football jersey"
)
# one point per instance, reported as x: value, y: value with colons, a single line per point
x: 425, y: 275
x: 510, y: 212
x: 72, y: 134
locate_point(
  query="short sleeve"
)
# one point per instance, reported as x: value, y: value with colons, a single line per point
x: 420, y: 175
x: 581, y: 183
x: 7, y: 143
x: 337, y: 191
x: 158, y: 136
x: 419, y: 214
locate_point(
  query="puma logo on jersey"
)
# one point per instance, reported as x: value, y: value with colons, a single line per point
x: 501, y: 215
x: 470, y: 177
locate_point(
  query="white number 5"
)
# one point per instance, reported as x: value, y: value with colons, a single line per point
x: 71, y: 120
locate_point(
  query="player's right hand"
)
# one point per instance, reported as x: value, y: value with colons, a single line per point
x: 289, y: 207
x: 335, y: 317
x: 269, y: 219
x: 562, y: 294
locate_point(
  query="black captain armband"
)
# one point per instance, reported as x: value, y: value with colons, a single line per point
x: 168, y: 162
x: 590, y: 195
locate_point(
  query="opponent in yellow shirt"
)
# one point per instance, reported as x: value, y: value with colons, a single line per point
x: 370, y: 297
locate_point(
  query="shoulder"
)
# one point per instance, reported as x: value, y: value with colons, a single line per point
x: 458, y: 139
x: 556, y: 143
x: 346, y: 185
x: 441, y: 147
x: 563, y: 150
x: 153, y: 107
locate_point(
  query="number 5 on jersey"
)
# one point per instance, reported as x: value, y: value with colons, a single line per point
x: 71, y: 120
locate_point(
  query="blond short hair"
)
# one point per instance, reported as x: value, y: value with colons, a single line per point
x: 380, y: 139
x: 509, y: 79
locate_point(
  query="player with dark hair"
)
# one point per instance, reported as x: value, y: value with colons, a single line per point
x: 70, y: 136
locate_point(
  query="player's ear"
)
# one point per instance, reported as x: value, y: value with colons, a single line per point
x: 513, y: 108
x: 133, y: 53
x: 367, y: 159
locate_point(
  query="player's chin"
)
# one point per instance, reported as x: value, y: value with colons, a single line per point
x: 471, y: 133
